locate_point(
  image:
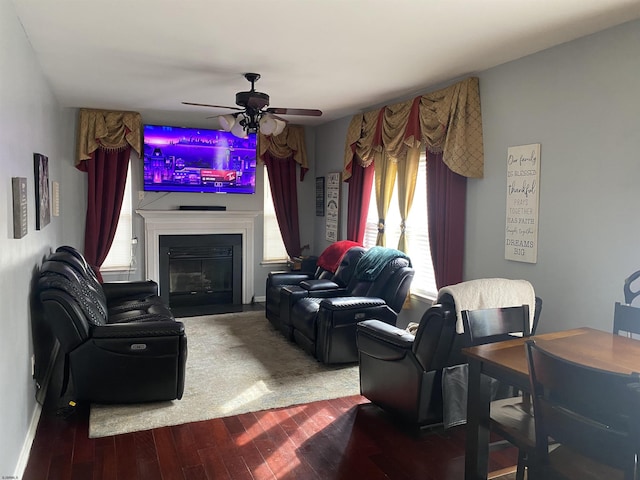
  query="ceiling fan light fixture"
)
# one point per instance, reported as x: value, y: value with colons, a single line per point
x: 238, y: 128
x: 227, y: 122
x: 280, y: 124
x: 268, y: 124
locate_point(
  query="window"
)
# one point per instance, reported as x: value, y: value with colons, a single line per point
x: 120, y: 255
x: 417, y: 231
x: 273, y: 246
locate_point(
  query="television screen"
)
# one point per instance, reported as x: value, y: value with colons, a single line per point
x: 178, y: 159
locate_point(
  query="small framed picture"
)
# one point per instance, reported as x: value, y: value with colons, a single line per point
x: 19, y: 187
x: 319, y: 196
x: 43, y: 201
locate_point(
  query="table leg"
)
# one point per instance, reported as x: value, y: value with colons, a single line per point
x: 476, y: 461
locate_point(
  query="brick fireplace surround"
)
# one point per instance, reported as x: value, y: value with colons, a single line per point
x: 187, y: 222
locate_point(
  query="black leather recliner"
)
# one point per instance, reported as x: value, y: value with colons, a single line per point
x: 324, y: 277
x: 318, y: 288
x: 134, y: 351
x: 326, y: 327
x: 403, y: 373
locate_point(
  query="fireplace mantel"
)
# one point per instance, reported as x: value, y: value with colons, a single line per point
x: 200, y: 222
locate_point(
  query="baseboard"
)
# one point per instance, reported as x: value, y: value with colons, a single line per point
x: 35, y: 417
x: 260, y: 299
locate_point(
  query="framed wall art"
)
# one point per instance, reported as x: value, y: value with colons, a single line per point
x: 43, y: 200
x: 319, y: 196
x: 19, y: 189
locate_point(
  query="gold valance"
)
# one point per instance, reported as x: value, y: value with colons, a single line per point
x: 109, y: 130
x: 290, y: 143
x: 447, y: 120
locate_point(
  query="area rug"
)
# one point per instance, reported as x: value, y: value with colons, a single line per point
x: 236, y: 363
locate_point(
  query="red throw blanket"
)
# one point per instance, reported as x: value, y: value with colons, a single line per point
x: 331, y: 257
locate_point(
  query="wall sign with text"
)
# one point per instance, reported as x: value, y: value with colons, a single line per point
x: 523, y: 179
x: 332, y: 221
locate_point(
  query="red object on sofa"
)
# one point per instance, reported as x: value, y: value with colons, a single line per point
x: 330, y: 258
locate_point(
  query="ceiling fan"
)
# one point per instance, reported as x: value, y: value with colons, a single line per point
x: 253, y: 114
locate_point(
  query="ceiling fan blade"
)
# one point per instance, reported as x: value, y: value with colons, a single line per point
x: 295, y: 111
x: 212, y: 106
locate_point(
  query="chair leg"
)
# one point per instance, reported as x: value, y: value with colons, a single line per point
x: 522, y: 461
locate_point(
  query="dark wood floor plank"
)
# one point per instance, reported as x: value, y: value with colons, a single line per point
x: 105, y: 462
x: 194, y: 472
x: 147, y: 463
x: 185, y: 445
x: 125, y: 456
x: 213, y: 464
x: 170, y: 465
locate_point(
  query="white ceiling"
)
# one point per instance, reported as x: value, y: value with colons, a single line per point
x: 340, y: 56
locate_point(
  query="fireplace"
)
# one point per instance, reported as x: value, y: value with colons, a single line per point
x: 201, y: 273
x: 198, y: 224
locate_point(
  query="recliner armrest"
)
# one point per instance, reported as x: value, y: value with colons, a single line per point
x: 161, y: 328
x: 383, y: 341
x: 136, y: 289
x: 319, y: 284
x: 288, y: 278
x: 387, y: 333
x: 346, y: 310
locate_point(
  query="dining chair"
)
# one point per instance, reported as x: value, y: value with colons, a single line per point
x: 591, y: 413
x: 626, y: 319
x: 511, y: 418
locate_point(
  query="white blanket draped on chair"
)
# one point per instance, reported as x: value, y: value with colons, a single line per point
x: 489, y: 293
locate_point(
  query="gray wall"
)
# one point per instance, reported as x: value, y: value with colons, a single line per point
x: 31, y: 122
x: 579, y: 101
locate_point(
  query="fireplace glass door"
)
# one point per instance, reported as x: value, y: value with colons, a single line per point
x: 200, y: 272
x: 200, y: 275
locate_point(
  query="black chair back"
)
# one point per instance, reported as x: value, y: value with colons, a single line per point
x: 588, y: 410
x: 496, y: 324
x: 626, y: 319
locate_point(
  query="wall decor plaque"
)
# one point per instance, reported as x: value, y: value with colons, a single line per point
x: 523, y: 179
x: 332, y: 206
x: 20, y: 221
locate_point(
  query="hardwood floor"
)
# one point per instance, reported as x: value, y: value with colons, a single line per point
x: 344, y: 438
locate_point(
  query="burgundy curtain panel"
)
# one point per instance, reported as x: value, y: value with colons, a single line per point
x: 446, y: 204
x: 360, y: 184
x: 283, y: 183
x: 107, y: 176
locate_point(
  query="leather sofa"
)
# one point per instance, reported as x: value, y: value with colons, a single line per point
x: 121, y: 344
x: 325, y: 326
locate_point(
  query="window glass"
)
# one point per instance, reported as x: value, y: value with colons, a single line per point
x: 120, y: 257
x: 273, y: 246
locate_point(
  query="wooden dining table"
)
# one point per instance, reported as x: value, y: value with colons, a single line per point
x: 507, y: 362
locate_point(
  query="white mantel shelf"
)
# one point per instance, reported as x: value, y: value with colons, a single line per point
x: 200, y: 222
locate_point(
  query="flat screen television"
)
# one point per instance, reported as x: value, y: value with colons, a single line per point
x: 179, y: 159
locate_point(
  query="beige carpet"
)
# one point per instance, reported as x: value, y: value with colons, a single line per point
x: 236, y: 363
